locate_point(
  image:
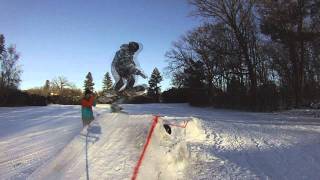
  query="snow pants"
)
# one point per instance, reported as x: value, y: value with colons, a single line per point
x: 87, y: 115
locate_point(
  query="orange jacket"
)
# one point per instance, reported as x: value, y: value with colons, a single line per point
x: 87, y: 103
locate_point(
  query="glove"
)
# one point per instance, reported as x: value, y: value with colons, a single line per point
x: 141, y: 74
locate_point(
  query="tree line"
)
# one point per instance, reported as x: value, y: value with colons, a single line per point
x: 250, y: 54
x: 61, y: 91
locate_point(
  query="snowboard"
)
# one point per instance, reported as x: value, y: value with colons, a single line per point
x: 126, y: 94
x: 135, y: 91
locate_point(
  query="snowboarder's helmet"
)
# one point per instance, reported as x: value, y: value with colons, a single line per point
x: 133, y: 46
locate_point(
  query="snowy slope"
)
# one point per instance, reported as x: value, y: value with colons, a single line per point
x: 216, y: 144
x: 108, y: 148
x: 29, y: 136
x: 111, y: 146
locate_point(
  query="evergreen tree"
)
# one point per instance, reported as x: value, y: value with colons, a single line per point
x: 46, y: 88
x: 155, y: 79
x: 47, y: 85
x: 107, y: 83
x: 2, y: 42
x: 88, y: 83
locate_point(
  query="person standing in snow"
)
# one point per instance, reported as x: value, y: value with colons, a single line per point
x: 86, y: 107
x: 124, y: 69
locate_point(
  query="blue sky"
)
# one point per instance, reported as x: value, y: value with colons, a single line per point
x: 73, y: 37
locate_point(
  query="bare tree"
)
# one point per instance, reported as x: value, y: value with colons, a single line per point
x: 209, y: 45
x: 10, y: 70
x: 262, y: 48
x: 238, y: 16
x: 295, y: 24
x: 60, y: 83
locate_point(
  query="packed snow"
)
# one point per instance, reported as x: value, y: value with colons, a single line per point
x: 49, y: 143
x: 30, y: 136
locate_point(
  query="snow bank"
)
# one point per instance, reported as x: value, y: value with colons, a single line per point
x: 195, y: 132
x: 168, y: 155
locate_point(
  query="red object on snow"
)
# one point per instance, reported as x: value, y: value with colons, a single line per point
x: 137, y: 167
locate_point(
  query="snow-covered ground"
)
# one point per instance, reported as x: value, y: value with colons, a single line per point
x: 48, y: 143
x: 30, y: 136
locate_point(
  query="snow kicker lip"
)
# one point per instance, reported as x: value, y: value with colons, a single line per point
x: 167, y: 127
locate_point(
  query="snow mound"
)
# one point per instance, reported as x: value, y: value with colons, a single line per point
x: 111, y: 147
x: 194, y: 132
x: 168, y: 154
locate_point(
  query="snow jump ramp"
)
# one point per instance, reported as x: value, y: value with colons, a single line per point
x: 121, y: 146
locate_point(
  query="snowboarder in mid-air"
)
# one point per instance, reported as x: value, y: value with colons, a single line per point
x: 125, y: 70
